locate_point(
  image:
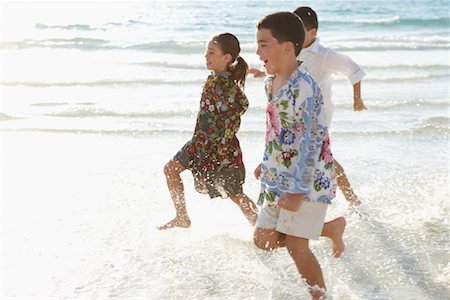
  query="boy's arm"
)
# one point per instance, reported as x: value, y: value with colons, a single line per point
x: 291, y: 202
x: 358, y: 103
x: 257, y: 73
x: 344, y: 65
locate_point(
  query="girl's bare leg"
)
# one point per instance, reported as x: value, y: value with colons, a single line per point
x: 172, y: 171
x: 247, y: 206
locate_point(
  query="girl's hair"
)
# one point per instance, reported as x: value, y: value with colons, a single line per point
x: 229, y: 44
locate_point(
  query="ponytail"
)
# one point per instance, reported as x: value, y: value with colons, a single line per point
x: 239, y: 71
x: 229, y: 44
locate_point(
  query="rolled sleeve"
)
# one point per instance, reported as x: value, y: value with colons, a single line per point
x: 355, y: 78
x: 341, y: 64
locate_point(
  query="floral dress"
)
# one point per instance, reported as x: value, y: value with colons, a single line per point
x: 297, y: 157
x: 213, y: 154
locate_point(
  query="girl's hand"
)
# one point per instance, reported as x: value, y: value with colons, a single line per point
x: 290, y: 202
x: 257, y: 171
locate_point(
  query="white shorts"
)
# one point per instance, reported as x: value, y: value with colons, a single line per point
x: 306, y: 223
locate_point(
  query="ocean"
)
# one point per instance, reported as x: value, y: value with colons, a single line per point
x: 97, y: 96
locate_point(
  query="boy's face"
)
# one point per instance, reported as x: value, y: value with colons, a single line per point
x: 270, y: 52
x: 310, y: 37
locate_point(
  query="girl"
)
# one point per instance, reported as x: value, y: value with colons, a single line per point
x: 213, y: 155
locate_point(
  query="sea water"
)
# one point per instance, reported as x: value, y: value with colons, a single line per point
x: 97, y: 96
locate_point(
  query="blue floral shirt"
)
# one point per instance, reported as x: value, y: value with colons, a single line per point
x: 297, y: 157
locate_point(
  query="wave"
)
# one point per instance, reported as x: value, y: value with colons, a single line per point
x: 50, y: 104
x: 379, y: 66
x: 170, y: 65
x: 91, y: 112
x: 393, y: 21
x: 438, y: 122
x: 85, y: 27
x: 79, y: 27
x: 419, y: 76
x: 81, y: 43
x: 426, y: 130
x: 74, y: 43
x: 389, y: 105
x: 386, y: 46
x: 103, y: 83
x: 5, y: 117
x: 389, y: 21
x: 195, y: 46
x: 400, y: 78
x: 409, y: 67
x: 121, y: 132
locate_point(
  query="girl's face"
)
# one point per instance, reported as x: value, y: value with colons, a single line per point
x: 216, y: 61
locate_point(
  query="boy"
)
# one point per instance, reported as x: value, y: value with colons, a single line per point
x: 297, y: 172
x: 321, y: 63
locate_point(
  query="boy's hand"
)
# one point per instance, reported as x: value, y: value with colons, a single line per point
x: 257, y: 73
x: 291, y: 202
x: 358, y: 104
x: 257, y: 171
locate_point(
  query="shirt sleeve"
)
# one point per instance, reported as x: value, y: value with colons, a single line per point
x: 344, y: 65
x: 306, y: 126
x: 298, y: 142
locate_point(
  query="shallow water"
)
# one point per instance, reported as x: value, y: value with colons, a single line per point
x: 93, y: 105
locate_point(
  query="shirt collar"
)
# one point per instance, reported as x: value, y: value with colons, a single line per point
x: 293, y: 80
x: 223, y: 74
x: 314, y: 47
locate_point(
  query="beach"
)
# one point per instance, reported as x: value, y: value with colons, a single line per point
x: 94, y: 104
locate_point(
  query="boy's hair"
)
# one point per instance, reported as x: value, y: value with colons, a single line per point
x: 285, y: 27
x: 308, y: 17
x: 229, y: 44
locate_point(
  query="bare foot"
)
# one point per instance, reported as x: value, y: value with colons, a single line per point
x: 183, y: 222
x: 337, y: 228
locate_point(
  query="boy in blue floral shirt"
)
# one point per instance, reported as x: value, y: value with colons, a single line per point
x: 297, y: 172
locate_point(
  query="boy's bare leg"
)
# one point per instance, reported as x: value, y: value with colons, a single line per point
x: 172, y: 171
x: 247, y: 206
x: 268, y: 239
x: 344, y: 184
x: 335, y: 230
x: 307, y: 265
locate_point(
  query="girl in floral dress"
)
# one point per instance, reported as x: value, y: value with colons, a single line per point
x: 213, y: 155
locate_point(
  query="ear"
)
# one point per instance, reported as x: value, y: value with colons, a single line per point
x: 228, y: 58
x: 288, y: 47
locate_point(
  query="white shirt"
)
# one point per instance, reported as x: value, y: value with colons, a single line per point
x: 321, y: 62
